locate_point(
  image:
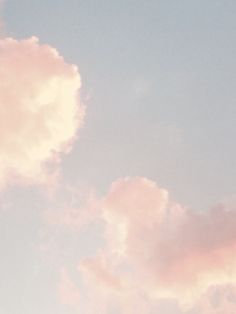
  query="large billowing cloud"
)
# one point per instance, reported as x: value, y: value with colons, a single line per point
x: 40, y: 110
x: 158, y: 249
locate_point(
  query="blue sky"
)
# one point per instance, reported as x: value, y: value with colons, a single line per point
x: 160, y: 77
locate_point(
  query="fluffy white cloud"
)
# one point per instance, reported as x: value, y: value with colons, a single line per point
x: 40, y: 109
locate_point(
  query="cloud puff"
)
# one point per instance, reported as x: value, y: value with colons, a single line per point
x: 159, y: 249
x: 40, y: 110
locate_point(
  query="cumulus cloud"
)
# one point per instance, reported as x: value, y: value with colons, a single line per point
x: 157, y: 249
x: 40, y: 110
x: 176, y: 251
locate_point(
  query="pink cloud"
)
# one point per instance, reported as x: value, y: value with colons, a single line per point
x: 160, y: 249
x: 109, y: 289
x: 40, y: 108
x: 175, y: 252
x: 157, y: 253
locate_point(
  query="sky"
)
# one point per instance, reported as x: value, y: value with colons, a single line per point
x: 117, y: 158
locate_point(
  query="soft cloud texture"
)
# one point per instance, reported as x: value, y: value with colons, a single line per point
x: 68, y: 291
x: 176, y: 251
x: 157, y: 249
x: 40, y: 110
x: 73, y: 207
x: 217, y: 300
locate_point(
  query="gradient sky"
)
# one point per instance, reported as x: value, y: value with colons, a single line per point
x: 158, y: 84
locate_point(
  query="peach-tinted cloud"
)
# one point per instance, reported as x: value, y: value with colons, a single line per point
x: 108, y: 288
x: 159, y: 249
x: 158, y: 256
x: 175, y: 252
x: 40, y: 108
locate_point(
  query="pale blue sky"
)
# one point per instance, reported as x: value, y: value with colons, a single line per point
x: 161, y: 80
x: 159, y: 83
